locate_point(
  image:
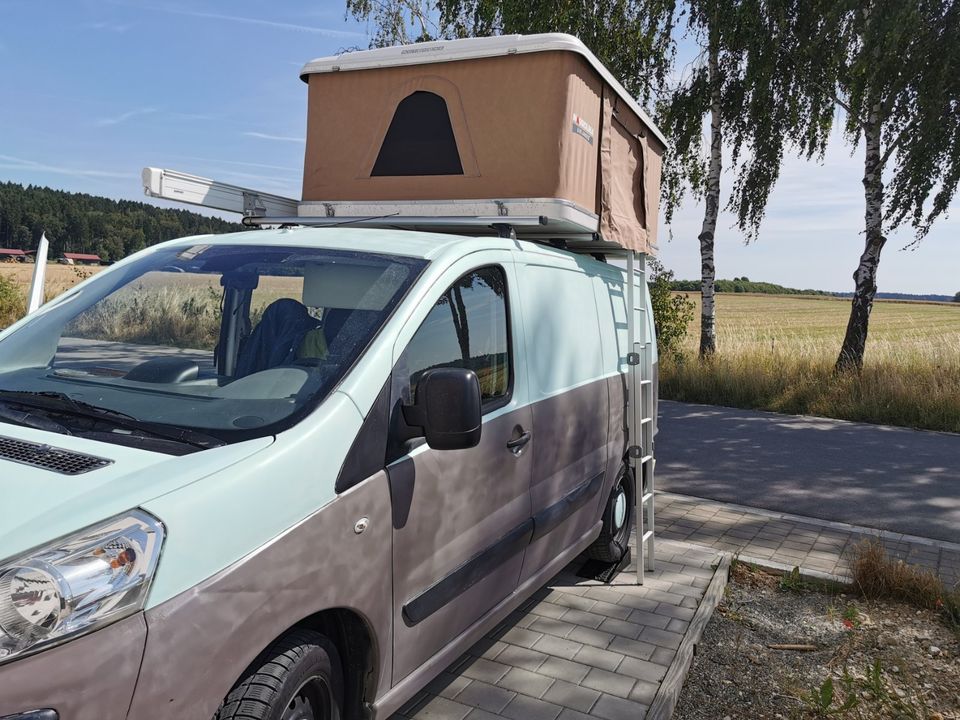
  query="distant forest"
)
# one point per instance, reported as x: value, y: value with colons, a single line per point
x: 745, y: 285
x: 76, y: 222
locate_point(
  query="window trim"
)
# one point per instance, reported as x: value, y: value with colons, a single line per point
x: 493, y: 404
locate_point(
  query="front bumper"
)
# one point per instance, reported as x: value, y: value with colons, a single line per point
x: 89, y: 678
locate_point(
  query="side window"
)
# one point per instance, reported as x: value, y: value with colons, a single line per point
x: 467, y: 328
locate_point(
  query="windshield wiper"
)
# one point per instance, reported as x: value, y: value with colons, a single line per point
x: 58, y: 402
x: 37, y: 422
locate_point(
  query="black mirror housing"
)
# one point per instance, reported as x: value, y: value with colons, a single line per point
x: 447, y: 408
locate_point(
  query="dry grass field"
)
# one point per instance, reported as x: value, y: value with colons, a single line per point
x: 777, y: 353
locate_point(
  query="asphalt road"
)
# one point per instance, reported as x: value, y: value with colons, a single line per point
x: 889, y: 478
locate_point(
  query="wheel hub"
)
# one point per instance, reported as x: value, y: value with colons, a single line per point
x: 620, y: 509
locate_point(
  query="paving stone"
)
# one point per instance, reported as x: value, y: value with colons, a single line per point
x: 526, y: 682
x: 528, y: 708
x: 595, y: 657
x: 615, y: 708
x: 678, y: 626
x: 644, y: 692
x: 672, y: 611
x: 563, y: 669
x: 609, y: 682
x: 605, y: 609
x: 557, y: 646
x: 447, y: 685
x: 571, y: 696
x: 440, y: 708
x: 633, y: 648
x: 642, y: 670
x: 642, y: 617
x: 575, y: 602
x: 522, y: 657
x: 640, y: 602
x: 589, y: 636
x: 568, y: 714
x: 486, y: 670
x: 520, y: 636
x: 478, y: 714
x: 663, y: 656
x: 587, y: 619
x: 548, y: 609
x: 487, y: 648
x: 621, y: 627
x: 557, y: 628
x: 664, y: 638
x: 485, y: 696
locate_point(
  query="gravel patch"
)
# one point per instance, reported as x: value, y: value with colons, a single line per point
x: 883, y: 659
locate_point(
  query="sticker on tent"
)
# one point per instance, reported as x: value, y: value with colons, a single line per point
x: 583, y: 128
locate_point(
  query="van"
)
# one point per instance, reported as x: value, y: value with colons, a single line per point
x: 295, y: 473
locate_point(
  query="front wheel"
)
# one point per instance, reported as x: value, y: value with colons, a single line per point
x: 617, y: 520
x: 296, y: 678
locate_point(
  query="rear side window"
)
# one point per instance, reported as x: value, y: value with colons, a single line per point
x: 467, y: 328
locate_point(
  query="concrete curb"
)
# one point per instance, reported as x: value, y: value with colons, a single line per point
x: 833, y: 524
x: 668, y: 694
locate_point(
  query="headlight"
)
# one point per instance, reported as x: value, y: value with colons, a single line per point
x: 78, y: 583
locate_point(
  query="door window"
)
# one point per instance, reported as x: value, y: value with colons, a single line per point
x: 467, y: 328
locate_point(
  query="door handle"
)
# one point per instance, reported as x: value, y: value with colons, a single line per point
x: 518, y: 443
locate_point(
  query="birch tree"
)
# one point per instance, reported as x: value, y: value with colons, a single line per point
x: 743, y: 86
x: 893, y: 69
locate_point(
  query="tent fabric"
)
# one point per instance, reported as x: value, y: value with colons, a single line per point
x: 534, y: 125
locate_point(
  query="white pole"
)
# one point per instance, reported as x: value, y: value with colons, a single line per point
x: 35, y: 299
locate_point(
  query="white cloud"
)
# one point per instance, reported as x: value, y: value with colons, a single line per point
x: 8, y: 162
x: 108, y: 26
x: 123, y: 117
x: 261, y: 22
x: 268, y: 136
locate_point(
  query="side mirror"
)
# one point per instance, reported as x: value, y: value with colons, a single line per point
x: 447, y: 408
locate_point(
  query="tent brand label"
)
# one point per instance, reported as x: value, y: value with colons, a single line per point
x: 582, y: 128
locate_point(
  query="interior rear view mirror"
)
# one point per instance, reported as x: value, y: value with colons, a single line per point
x: 447, y: 408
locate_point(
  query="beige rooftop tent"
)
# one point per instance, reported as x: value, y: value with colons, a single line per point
x: 503, y: 126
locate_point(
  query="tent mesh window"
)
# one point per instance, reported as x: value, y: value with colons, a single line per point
x: 420, y: 139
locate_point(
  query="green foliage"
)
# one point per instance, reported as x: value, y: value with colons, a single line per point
x: 631, y: 37
x: 744, y: 285
x: 956, y: 298
x: 12, y: 302
x: 821, y: 700
x: 898, y: 61
x: 672, y: 313
x: 793, y: 581
x: 77, y: 222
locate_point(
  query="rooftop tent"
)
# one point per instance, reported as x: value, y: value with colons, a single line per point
x: 532, y: 119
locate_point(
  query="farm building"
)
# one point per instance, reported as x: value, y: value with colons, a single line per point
x: 81, y: 258
x: 12, y: 255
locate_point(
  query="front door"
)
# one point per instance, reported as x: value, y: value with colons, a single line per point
x: 461, y: 518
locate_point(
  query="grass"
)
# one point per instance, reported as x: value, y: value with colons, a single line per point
x: 777, y: 353
x: 876, y: 575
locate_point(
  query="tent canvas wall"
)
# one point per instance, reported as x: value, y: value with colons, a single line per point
x: 514, y: 117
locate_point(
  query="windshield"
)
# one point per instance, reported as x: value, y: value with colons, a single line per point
x: 232, y: 341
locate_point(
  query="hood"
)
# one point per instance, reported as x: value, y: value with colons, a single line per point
x: 40, y: 505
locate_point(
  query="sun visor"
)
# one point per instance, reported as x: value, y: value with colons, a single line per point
x: 348, y: 287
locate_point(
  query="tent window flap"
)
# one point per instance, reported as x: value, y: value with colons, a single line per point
x: 420, y: 140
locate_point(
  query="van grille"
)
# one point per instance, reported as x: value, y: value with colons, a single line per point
x: 62, y: 461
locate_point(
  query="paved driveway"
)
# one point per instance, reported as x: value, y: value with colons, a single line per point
x: 882, y: 477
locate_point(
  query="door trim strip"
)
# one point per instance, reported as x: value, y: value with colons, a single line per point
x: 548, y: 519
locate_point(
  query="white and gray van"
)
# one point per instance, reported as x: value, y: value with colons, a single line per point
x: 294, y: 473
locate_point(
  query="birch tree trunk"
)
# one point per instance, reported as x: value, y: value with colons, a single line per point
x: 708, y: 272
x: 865, y: 277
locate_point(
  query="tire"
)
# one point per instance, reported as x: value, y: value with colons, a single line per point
x: 617, y: 520
x: 299, y: 677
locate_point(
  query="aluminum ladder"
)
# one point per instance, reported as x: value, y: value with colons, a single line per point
x: 640, y: 408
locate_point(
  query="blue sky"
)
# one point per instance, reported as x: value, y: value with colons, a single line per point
x: 94, y: 90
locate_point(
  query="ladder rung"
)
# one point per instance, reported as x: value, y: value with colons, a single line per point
x: 646, y: 382
x: 646, y: 420
x: 645, y: 498
x: 646, y: 459
x: 646, y: 536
